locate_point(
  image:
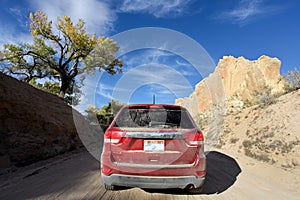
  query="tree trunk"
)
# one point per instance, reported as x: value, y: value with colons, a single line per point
x: 63, y: 88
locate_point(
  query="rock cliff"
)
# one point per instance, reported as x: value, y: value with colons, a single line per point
x: 233, y: 81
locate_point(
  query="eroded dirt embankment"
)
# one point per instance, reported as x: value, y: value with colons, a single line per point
x: 34, y: 125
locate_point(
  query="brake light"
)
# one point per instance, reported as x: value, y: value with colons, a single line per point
x: 106, y: 171
x: 114, y: 136
x: 201, y: 173
x: 107, y: 136
x: 195, y: 139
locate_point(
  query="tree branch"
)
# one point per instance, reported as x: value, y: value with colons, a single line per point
x: 74, y: 70
x: 44, y: 59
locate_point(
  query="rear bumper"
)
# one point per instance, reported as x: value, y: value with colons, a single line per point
x: 153, y: 182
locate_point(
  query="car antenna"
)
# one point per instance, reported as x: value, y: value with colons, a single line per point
x: 154, y: 99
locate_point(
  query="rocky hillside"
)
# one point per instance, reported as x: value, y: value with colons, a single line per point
x: 233, y: 82
x: 267, y: 133
x: 34, y: 125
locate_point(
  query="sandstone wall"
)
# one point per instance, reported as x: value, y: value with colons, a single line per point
x: 233, y: 79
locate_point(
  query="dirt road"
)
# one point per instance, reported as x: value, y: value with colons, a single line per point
x: 78, y: 177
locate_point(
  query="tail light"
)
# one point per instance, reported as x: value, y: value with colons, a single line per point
x: 201, y: 173
x: 114, y: 136
x: 195, y: 139
x: 106, y: 170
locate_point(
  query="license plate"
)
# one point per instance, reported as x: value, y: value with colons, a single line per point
x: 154, y: 145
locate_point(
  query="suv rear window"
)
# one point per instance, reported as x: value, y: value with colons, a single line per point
x: 161, y: 117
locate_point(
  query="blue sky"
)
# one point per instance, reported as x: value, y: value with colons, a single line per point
x: 248, y: 28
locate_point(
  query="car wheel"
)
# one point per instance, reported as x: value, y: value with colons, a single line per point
x: 109, y: 187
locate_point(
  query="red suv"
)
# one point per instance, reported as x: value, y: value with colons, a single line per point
x: 153, y: 146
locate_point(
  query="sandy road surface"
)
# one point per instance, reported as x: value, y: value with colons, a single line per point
x: 78, y: 177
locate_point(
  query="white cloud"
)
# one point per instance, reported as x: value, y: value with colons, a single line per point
x: 183, y: 64
x: 98, y: 16
x: 162, y: 80
x: 185, y: 68
x: 150, y: 56
x: 247, y: 10
x: 156, y: 75
x: 11, y: 35
x: 145, y: 56
x: 156, y: 78
x: 156, y: 8
x: 105, y: 91
x: 12, y: 28
x: 19, y: 15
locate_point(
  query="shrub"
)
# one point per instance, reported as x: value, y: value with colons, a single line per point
x: 249, y: 153
x: 234, y: 140
x: 248, y: 103
x: 292, y: 81
x: 203, y: 121
x: 264, y: 96
x: 247, y: 143
x: 261, y: 157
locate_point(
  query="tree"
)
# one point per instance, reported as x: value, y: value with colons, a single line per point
x: 60, y: 54
x: 91, y: 113
x: 105, y: 114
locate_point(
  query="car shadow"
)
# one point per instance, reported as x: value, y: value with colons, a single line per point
x: 221, y: 173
